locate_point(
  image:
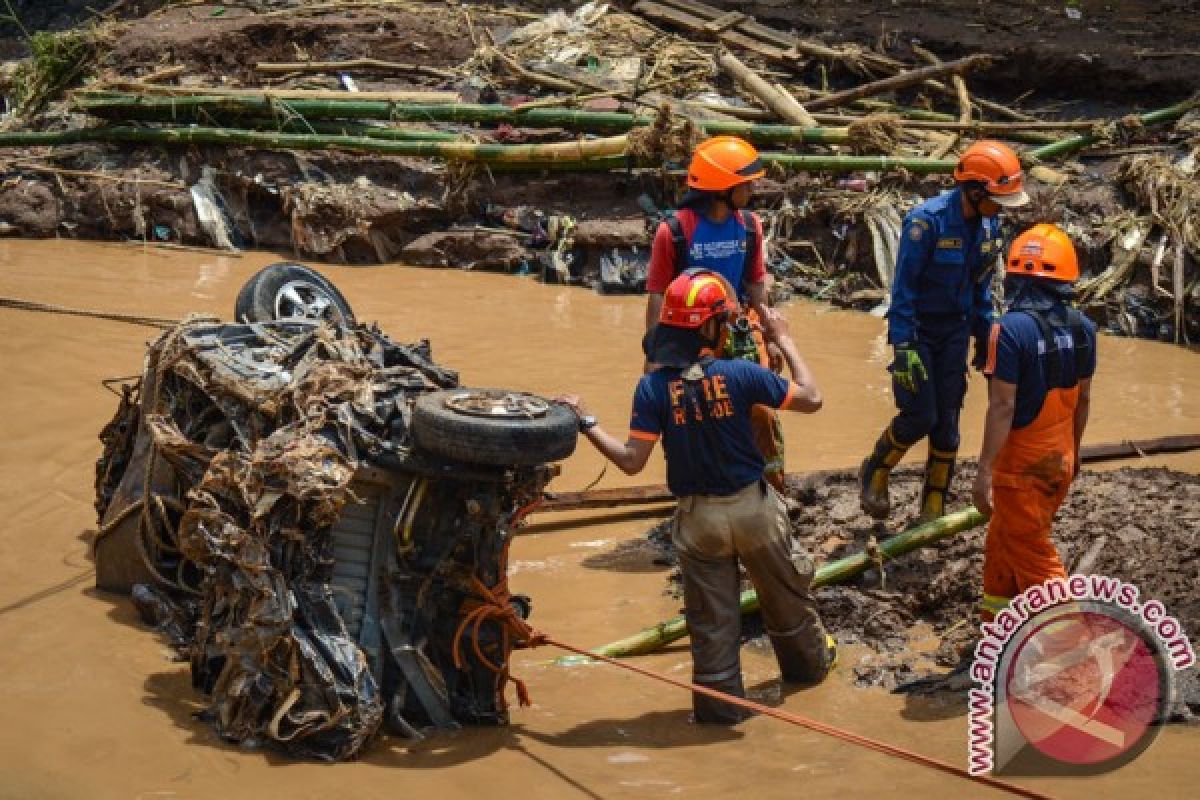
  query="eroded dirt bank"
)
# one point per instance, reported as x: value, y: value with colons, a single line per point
x: 96, y: 708
x: 828, y: 239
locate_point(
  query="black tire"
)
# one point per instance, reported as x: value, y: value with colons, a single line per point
x: 286, y: 287
x: 495, y: 441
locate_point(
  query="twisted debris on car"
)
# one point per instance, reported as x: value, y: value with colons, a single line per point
x: 318, y: 518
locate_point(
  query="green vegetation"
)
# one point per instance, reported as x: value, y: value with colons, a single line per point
x: 57, y: 62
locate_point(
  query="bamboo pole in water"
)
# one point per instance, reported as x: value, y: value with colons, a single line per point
x: 839, y: 571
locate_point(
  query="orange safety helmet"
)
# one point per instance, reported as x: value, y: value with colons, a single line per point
x: 1044, y: 251
x: 997, y: 167
x: 695, y: 297
x: 723, y: 162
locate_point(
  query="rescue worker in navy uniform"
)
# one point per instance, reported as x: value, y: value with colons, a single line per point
x: 700, y: 407
x: 1041, y: 358
x: 941, y: 297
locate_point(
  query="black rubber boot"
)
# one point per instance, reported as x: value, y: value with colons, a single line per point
x: 873, y: 475
x: 804, y: 659
x: 939, y: 471
x: 710, y: 711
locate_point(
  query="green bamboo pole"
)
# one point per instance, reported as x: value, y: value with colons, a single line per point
x: 1074, y: 143
x: 557, y: 152
x: 344, y: 128
x: 839, y: 571
x: 593, y: 154
x: 215, y: 109
x: 821, y: 163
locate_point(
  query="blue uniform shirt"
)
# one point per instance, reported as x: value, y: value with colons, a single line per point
x: 1017, y: 355
x: 943, y: 268
x: 705, y: 426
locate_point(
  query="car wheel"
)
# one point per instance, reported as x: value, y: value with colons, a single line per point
x: 494, y: 426
x: 291, y: 291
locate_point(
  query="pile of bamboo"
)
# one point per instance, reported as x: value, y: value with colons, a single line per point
x: 676, y: 73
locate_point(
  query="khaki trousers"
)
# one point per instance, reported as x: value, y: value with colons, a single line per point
x: 712, y: 534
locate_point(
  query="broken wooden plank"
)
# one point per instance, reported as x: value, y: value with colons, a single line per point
x: 723, y: 22
x: 900, y: 81
x: 786, y: 108
x: 658, y: 12
x: 786, y: 43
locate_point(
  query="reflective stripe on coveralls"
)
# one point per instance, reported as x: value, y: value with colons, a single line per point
x: 712, y: 534
x: 1030, y: 480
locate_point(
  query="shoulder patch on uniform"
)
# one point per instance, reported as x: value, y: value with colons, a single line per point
x: 917, y: 228
x: 949, y: 243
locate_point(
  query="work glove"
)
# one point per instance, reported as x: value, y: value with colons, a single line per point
x: 908, y: 369
x: 979, y: 360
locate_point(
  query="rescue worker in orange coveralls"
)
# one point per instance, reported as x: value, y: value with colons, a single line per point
x: 1040, y: 360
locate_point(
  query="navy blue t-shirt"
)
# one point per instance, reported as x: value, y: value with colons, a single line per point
x: 1017, y: 355
x: 705, y: 424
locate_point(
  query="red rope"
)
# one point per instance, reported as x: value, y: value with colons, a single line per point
x: 811, y: 724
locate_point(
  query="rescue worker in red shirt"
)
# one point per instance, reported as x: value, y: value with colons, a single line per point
x: 712, y: 229
x: 700, y: 407
x: 941, y: 297
x: 1040, y: 359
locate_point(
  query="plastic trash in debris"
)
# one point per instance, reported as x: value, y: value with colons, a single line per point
x: 854, y: 184
x: 559, y: 22
x: 623, y: 269
x: 1073, y: 11
x: 347, y: 82
x: 209, y: 212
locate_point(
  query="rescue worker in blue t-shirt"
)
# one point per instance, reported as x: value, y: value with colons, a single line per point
x: 941, y: 297
x: 700, y: 407
x: 1041, y: 358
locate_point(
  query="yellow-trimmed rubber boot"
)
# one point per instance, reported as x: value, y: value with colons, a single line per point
x: 873, y: 475
x: 939, y: 471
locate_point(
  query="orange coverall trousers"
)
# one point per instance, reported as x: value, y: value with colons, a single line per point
x: 1030, y: 479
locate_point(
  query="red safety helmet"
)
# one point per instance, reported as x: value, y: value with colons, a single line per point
x: 695, y: 297
x: 1044, y: 251
x: 997, y: 167
x: 723, y: 162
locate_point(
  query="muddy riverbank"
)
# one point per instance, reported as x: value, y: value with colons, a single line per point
x: 830, y: 235
x: 97, y: 708
x: 916, y: 616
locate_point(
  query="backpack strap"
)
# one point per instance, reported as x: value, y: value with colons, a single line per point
x: 753, y: 244
x: 1072, y: 320
x: 678, y: 241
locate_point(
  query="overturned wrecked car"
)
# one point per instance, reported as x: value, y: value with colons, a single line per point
x: 318, y: 517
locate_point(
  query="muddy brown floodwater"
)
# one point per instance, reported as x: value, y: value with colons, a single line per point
x: 93, y: 706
